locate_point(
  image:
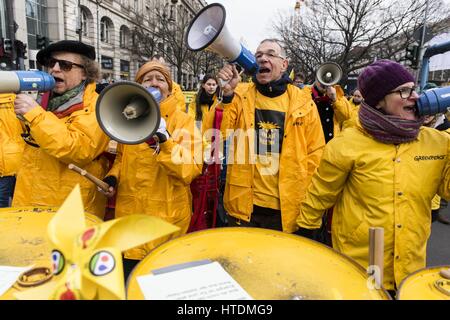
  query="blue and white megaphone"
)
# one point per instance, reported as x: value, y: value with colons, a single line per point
x: 434, y: 101
x: 25, y: 81
x: 208, y: 31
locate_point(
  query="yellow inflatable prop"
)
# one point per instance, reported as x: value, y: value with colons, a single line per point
x: 86, y: 261
x: 267, y: 264
x: 426, y: 284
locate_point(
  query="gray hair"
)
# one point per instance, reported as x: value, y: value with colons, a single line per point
x: 278, y: 42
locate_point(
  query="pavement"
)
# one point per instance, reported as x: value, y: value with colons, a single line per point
x: 438, y: 247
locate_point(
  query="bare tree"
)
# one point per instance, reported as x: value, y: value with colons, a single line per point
x: 204, y: 62
x: 164, y: 34
x: 353, y: 32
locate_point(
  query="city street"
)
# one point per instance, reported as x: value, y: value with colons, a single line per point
x: 438, y: 252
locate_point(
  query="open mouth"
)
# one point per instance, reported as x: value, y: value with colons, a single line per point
x: 410, y: 109
x: 263, y: 70
x: 58, y: 80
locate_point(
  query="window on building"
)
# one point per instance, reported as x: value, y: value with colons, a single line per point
x: 106, y: 30
x: 124, y: 36
x: 2, y: 19
x: 37, y: 22
x: 84, y: 22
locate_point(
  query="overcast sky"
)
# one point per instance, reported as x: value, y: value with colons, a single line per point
x: 252, y: 20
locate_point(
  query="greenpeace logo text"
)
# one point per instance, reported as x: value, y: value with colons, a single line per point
x: 422, y: 158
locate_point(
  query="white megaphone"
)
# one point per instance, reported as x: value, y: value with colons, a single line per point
x: 208, y: 31
x: 329, y: 74
x: 129, y: 113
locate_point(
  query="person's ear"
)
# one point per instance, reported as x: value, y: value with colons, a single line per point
x: 284, y: 65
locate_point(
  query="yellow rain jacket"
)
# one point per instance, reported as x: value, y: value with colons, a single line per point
x: 205, y: 111
x: 44, y: 178
x: 343, y: 110
x: 159, y: 185
x: 178, y: 94
x: 436, y: 201
x: 301, y: 151
x: 372, y: 184
x: 354, y: 108
x: 11, y: 143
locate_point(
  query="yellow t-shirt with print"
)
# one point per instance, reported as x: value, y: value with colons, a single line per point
x: 270, y: 115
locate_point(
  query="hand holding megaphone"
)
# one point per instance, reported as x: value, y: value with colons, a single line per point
x: 24, y: 103
x: 331, y: 93
x: 229, y: 78
x: 162, y: 131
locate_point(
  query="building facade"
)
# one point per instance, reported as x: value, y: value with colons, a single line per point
x: 105, y: 24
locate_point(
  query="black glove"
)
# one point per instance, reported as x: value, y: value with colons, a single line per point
x: 307, y: 233
x: 111, y: 181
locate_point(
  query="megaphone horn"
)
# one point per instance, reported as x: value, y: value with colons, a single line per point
x: 329, y: 74
x: 207, y: 31
x: 128, y: 113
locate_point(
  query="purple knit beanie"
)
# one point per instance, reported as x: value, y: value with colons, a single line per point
x: 382, y: 76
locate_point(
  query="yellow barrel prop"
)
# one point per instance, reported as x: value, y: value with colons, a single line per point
x: 269, y: 265
x: 23, y: 238
x: 426, y: 284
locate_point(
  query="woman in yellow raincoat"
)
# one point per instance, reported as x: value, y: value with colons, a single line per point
x: 204, y: 100
x: 11, y: 148
x: 157, y: 182
x: 381, y: 172
x: 61, y: 128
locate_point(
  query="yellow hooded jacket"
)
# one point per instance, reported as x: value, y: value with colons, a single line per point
x: 44, y: 178
x: 205, y: 111
x: 178, y: 93
x: 301, y: 151
x: 159, y: 185
x: 11, y: 143
x: 343, y: 110
x: 373, y: 184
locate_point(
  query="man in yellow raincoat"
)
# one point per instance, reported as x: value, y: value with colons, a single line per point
x: 265, y: 184
x: 382, y: 172
x: 11, y: 148
x: 61, y: 128
x: 156, y: 182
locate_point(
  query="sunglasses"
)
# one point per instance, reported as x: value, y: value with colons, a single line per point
x: 64, y: 65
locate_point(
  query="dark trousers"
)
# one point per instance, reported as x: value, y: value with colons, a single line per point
x: 7, y: 185
x: 261, y: 218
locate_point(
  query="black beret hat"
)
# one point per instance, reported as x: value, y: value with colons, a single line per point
x: 66, y: 46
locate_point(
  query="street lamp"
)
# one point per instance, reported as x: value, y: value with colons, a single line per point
x: 422, y: 43
x: 99, y: 2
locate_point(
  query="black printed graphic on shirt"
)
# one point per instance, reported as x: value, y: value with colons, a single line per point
x: 269, y: 127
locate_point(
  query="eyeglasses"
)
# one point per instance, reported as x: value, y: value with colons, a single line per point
x: 63, y: 64
x: 270, y: 55
x: 405, y: 93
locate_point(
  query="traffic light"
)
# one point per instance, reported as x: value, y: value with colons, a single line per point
x: 41, y: 42
x: 412, y: 56
x: 21, y: 48
x: 7, y: 46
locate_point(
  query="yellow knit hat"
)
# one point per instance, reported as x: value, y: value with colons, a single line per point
x: 154, y: 66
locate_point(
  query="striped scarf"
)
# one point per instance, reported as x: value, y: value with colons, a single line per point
x: 386, y: 128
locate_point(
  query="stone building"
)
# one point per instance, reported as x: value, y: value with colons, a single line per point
x: 104, y: 24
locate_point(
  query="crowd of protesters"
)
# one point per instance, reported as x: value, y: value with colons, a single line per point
x: 301, y: 159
